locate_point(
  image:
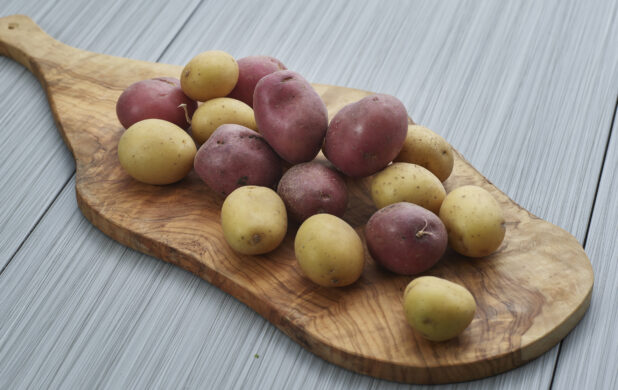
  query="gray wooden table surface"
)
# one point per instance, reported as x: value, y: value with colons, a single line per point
x: 526, y: 90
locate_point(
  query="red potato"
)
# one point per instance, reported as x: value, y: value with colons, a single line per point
x: 157, y: 98
x: 235, y: 156
x: 365, y: 136
x: 405, y: 238
x: 312, y: 188
x: 250, y: 71
x: 290, y: 115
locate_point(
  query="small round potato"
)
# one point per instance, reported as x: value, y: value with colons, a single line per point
x: 209, y: 75
x: 155, y: 151
x: 235, y: 156
x: 365, y: 136
x: 254, y: 220
x: 429, y: 150
x: 216, y: 112
x: 251, y: 70
x: 404, y: 182
x: 312, y: 188
x: 158, y: 98
x: 474, y: 221
x: 290, y: 115
x: 405, y: 238
x: 329, y: 251
x: 437, y: 308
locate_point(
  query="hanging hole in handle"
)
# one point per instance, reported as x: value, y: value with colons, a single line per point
x: 13, y: 26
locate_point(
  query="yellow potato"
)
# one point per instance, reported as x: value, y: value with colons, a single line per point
x: 474, y: 221
x: 254, y: 220
x: 437, y: 308
x: 329, y: 251
x: 427, y: 149
x: 216, y: 112
x: 209, y: 75
x: 403, y: 182
x: 155, y: 151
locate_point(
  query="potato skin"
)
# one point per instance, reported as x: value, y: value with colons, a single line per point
x: 291, y: 115
x: 218, y: 111
x: 254, y: 220
x: 155, y: 151
x: 429, y: 150
x: 329, y: 251
x: 156, y: 98
x: 474, y: 221
x: 312, y: 188
x: 405, y: 238
x: 437, y: 308
x: 209, y: 75
x: 250, y: 70
x: 403, y: 182
x: 235, y: 156
x: 365, y: 136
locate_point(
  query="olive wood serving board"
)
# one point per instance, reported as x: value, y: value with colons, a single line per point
x: 530, y: 293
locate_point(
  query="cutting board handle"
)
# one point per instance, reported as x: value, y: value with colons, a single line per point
x: 23, y: 40
x: 79, y: 84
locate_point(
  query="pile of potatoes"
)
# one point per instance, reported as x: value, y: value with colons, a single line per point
x: 251, y: 129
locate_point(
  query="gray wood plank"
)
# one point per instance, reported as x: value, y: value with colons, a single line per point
x: 31, y: 173
x: 589, y: 355
x: 523, y: 78
x: 37, y: 163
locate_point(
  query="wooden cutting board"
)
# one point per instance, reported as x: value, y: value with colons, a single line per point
x: 530, y: 293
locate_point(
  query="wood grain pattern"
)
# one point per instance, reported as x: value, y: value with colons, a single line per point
x: 360, y: 327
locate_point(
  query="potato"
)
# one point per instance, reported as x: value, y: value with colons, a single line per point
x: 157, y: 98
x: 403, y: 182
x: 291, y: 115
x: 365, y: 136
x: 250, y: 71
x: 216, y: 112
x: 209, y: 75
x: 405, y: 238
x: 312, y: 188
x: 427, y: 149
x: 437, y: 308
x: 329, y: 251
x: 155, y: 151
x: 253, y: 219
x: 235, y: 156
x: 473, y: 220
